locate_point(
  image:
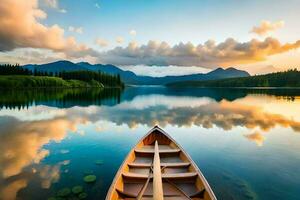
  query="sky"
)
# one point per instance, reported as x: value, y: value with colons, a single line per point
x: 156, y: 38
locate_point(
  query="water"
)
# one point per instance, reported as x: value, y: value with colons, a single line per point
x: 245, y: 141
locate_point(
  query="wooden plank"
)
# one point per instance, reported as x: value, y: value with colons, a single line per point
x: 157, y: 180
x: 181, y: 164
x: 151, y: 151
x: 169, y: 176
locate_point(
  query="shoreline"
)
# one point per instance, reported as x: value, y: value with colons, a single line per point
x: 9, y: 82
x: 263, y: 88
x: 2, y: 88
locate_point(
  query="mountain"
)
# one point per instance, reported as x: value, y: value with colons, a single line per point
x: 131, y: 78
x: 57, y: 66
x: 286, y: 79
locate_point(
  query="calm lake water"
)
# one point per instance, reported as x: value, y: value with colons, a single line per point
x: 245, y: 141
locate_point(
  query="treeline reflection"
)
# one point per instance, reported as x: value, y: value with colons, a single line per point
x: 66, y: 98
x: 61, y: 98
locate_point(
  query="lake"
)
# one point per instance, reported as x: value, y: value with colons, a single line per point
x: 246, y: 142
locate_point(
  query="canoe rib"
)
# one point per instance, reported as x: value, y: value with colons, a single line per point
x: 176, y: 175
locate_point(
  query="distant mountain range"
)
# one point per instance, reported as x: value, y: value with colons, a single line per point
x: 131, y: 78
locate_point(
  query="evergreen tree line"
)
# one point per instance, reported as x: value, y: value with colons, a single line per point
x: 289, y: 78
x: 8, y: 69
x: 87, y: 76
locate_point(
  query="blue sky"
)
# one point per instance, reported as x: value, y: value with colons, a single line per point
x: 170, y: 21
x: 175, y: 21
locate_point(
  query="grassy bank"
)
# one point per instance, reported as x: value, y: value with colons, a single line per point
x: 23, y: 81
x: 289, y: 78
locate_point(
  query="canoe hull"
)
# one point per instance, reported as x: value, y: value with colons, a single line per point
x: 180, y: 176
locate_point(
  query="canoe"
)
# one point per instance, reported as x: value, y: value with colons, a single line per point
x: 158, y: 168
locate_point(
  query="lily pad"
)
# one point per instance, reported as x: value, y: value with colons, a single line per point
x: 82, y: 195
x: 77, y: 189
x: 64, y: 192
x: 99, y: 162
x: 90, y: 178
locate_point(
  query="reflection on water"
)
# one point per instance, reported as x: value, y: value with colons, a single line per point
x: 242, y: 140
x: 63, y: 98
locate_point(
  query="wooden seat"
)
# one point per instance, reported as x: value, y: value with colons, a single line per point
x: 183, y: 164
x: 168, y: 176
x: 161, y: 151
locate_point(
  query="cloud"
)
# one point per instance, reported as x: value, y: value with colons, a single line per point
x: 208, y: 55
x: 24, y: 56
x: 120, y: 40
x: 49, y: 174
x: 78, y: 30
x: 9, y: 190
x: 21, y: 145
x: 225, y: 115
x: 29, y: 137
x: 63, y: 10
x: 257, y: 137
x: 97, y: 5
x: 266, y: 27
x: 21, y: 28
x: 132, y: 32
x: 161, y: 71
x: 101, y: 42
x: 54, y: 4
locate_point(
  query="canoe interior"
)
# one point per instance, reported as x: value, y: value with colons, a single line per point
x: 181, y: 179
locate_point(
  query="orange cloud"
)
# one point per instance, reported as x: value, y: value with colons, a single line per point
x: 21, y: 145
x: 208, y: 54
x: 225, y: 115
x: 9, y: 191
x: 20, y: 28
x: 49, y: 175
x: 29, y: 138
x: 266, y: 27
x: 257, y: 137
x: 102, y: 42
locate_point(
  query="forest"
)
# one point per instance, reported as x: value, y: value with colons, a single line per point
x: 27, y: 78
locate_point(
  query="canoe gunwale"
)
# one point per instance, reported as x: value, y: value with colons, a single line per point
x: 197, y: 170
